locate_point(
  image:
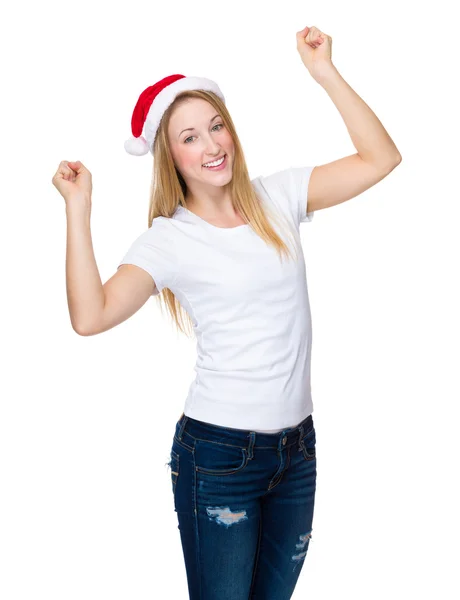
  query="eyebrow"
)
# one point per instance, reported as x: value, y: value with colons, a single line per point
x: 192, y: 128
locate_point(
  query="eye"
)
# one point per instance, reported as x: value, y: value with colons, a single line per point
x: 190, y: 137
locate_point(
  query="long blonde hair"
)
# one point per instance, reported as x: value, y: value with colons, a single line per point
x: 168, y: 190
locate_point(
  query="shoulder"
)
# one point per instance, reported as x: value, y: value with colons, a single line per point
x: 160, y: 228
x: 285, y: 179
x: 288, y: 190
x: 158, y: 236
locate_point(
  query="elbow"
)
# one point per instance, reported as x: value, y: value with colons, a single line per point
x: 86, y: 327
x: 396, y: 160
x: 83, y: 331
x: 393, y: 164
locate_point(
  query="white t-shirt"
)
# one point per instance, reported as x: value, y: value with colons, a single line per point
x: 251, y: 312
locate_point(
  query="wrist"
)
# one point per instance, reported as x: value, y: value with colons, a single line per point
x: 326, y: 75
x: 78, y: 208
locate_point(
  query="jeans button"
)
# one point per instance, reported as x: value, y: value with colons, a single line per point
x: 284, y: 441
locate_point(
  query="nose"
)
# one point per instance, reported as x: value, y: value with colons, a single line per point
x: 213, y: 155
x: 212, y: 150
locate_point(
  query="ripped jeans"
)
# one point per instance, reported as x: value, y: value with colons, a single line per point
x: 244, y: 502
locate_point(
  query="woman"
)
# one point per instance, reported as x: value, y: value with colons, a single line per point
x: 224, y: 253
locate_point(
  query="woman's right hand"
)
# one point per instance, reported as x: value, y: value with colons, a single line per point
x: 73, y: 181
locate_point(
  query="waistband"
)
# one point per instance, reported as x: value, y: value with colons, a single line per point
x: 187, y: 427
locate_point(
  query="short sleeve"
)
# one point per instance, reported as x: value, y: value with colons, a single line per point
x: 154, y: 251
x: 289, y: 190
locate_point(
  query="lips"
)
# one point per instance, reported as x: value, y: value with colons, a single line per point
x: 223, y: 155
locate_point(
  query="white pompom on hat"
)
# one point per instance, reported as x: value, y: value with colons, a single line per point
x: 152, y: 104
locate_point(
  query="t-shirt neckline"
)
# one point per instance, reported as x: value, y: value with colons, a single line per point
x: 205, y: 223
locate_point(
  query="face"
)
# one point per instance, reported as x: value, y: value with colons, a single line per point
x: 206, y: 139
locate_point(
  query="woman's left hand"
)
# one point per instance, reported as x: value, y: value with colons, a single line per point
x: 315, y: 49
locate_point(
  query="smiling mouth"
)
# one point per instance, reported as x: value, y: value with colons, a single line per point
x: 219, y: 165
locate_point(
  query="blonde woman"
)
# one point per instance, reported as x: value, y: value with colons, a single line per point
x: 223, y: 253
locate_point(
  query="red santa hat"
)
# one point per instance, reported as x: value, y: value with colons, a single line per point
x: 152, y: 104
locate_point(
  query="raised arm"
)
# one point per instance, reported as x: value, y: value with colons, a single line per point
x: 94, y: 307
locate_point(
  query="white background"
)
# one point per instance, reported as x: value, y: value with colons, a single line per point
x: 86, y: 423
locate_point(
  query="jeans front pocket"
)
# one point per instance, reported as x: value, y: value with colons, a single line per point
x: 214, y: 458
x: 174, y: 464
x: 308, y: 444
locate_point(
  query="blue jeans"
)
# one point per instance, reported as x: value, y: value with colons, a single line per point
x: 244, y: 502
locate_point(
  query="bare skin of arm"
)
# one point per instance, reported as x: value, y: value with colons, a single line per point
x: 95, y: 307
x: 124, y: 293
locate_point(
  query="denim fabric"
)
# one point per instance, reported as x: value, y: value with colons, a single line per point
x: 244, y: 502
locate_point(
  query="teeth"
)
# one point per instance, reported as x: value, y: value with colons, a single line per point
x: 215, y: 164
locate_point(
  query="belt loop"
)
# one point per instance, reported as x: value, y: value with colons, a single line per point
x: 252, y: 439
x: 300, y: 436
x: 182, y: 427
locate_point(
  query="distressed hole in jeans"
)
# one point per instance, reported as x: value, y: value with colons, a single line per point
x: 224, y: 516
x: 173, y: 465
x: 303, y: 546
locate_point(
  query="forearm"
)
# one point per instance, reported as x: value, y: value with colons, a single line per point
x: 367, y: 133
x: 85, y: 294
